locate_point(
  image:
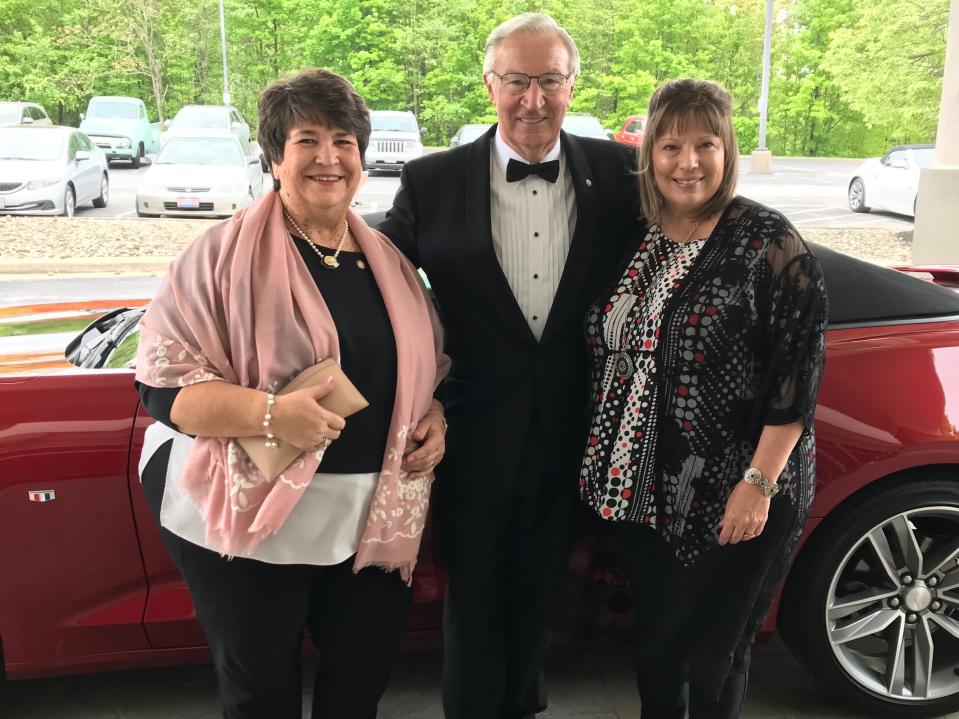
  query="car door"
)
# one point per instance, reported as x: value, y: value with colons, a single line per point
x: 71, y: 573
x: 85, y: 168
x: 890, y: 180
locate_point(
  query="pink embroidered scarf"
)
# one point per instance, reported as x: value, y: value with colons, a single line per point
x: 239, y: 305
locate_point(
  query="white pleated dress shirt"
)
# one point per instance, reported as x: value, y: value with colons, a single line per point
x: 532, y: 222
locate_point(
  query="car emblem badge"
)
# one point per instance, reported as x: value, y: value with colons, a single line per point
x: 41, y: 495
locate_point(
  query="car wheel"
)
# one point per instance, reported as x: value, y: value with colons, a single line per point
x: 69, y: 202
x: 138, y: 157
x: 104, y: 197
x: 872, y: 605
x: 857, y: 195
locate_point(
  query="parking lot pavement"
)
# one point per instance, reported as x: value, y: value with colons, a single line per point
x: 811, y: 192
x: 597, y: 684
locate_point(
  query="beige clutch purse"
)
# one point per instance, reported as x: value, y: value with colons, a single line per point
x: 344, y: 400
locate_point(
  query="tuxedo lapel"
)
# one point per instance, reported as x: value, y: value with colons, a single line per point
x: 490, y: 280
x: 582, y: 245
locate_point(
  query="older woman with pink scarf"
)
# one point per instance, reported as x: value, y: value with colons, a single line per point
x: 330, y: 543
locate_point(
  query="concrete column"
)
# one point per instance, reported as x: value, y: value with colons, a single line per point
x: 935, y: 240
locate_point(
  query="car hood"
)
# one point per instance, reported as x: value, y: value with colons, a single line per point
x: 386, y: 135
x: 193, y: 175
x: 108, y: 126
x: 26, y: 170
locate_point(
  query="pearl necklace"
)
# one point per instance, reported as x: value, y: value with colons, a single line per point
x: 328, y: 261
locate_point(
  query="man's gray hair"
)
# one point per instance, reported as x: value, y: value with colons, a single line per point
x: 533, y: 23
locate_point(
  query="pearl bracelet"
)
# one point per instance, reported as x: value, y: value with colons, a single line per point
x: 270, y: 440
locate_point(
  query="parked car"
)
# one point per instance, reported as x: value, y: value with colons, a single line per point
x: 202, y: 175
x: 871, y: 603
x: 394, y: 141
x: 584, y: 125
x: 23, y: 113
x: 890, y: 182
x: 121, y: 127
x: 50, y: 170
x: 631, y: 133
x: 468, y: 133
x: 191, y: 118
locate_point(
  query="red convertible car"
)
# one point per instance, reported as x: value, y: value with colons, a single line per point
x: 871, y: 604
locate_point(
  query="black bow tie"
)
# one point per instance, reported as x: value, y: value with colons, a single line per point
x: 516, y: 170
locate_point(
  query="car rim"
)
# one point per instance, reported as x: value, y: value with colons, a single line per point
x: 104, y: 189
x: 69, y: 203
x: 892, y: 613
x: 855, y: 195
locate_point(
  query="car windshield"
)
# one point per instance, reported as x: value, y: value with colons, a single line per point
x: 924, y: 157
x: 201, y: 151
x: 209, y: 117
x: 583, y: 125
x: 17, y: 144
x: 9, y: 113
x: 393, y: 123
x: 108, y: 109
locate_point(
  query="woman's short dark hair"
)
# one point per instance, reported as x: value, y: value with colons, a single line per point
x: 676, y: 105
x: 312, y: 95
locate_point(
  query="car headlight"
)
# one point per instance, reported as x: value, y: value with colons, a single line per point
x: 38, y: 184
x: 412, y: 146
x: 123, y: 142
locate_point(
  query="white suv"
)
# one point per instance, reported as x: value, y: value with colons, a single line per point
x: 395, y: 140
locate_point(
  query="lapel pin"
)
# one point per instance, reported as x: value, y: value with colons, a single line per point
x: 41, y: 495
x: 589, y: 183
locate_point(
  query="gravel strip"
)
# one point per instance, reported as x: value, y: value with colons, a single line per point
x: 59, y: 245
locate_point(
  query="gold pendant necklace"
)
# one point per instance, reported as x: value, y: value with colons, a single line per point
x: 328, y: 261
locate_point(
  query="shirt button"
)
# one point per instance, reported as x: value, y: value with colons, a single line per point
x: 535, y: 317
x: 534, y: 192
x: 535, y: 277
x: 535, y: 234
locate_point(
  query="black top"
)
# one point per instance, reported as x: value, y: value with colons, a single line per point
x: 367, y: 355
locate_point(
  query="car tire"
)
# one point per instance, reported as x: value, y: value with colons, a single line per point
x: 135, y: 163
x: 857, y: 195
x: 69, y: 202
x: 104, y: 197
x: 872, y: 601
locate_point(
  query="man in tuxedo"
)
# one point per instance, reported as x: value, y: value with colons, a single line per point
x: 516, y: 231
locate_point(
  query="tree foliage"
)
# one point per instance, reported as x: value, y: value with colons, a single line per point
x: 849, y: 76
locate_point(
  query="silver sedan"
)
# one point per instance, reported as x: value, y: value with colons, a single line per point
x: 50, y: 171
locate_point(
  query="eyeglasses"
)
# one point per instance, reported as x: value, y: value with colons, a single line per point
x: 516, y: 83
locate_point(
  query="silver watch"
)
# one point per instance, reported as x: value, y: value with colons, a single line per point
x: 754, y: 477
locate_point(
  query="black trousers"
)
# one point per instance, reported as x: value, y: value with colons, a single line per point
x: 254, y: 615
x: 506, y: 558
x: 690, y: 657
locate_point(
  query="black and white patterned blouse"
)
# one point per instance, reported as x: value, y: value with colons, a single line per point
x: 696, y: 348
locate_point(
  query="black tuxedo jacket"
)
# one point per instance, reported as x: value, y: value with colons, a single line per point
x: 507, y: 390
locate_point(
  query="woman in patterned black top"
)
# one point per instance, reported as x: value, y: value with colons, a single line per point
x: 707, y: 358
